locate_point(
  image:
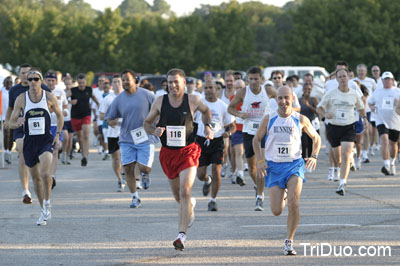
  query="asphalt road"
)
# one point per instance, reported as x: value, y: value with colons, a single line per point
x: 92, y: 224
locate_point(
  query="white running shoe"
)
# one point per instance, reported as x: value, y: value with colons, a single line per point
x: 358, y: 163
x: 336, y: 174
x: 330, y: 175
x: 392, y: 169
x: 179, y: 242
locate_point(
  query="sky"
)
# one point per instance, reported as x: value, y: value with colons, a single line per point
x: 180, y: 7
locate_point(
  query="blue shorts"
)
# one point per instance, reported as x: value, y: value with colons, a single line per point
x: 18, y: 133
x: 53, y: 130
x: 142, y: 153
x: 237, y: 138
x: 369, y: 116
x: 359, y: 126
x: 278, y: 174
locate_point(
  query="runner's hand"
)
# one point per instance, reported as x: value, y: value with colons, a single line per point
x: 208, y: 133
x: 329, y: 115
x: 159, y: 131
x: 261, y: 171
x: 311, y: 163
x: 20, y: 121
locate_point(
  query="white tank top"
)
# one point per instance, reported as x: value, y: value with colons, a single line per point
x: 42, y: 104
x: 283, y: 140
x: 257, y: 106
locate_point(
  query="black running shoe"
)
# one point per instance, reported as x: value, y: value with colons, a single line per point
x: 240, y: 181
x: 212, y: 206
x: 83, y: 161
x: 385, y: 171
x: 54, y: 182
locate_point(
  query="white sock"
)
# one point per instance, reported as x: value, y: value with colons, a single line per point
x: 213, y: 199
x: 135, y: 195
x: 392, y: 161
x: 386, y: 163
x: 260, y: 196
x: 364, y: 154
x: 240, y: 173
x: 342, y: 182
x: 209, y: 180
x: 46, y: 202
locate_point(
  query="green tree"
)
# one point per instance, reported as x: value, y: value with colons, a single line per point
x: 161, y: 6
x: 132, y: 7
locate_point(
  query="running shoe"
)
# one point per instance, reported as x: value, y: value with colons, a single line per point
x: 83, y: 161
x: 27, y: 198
x: 207, y: 186
x: 212, y: 206
x: 365, y: 160
x: 240, y: 181
x: 245, y: 167
x: 41, y: 220
x: 336, y: 174
x: 330, y: 174
x: 358, y: 163
x: 136, y: 202
x: 288, y: 249
x: 392, y: 169
x: 121, y: 187
x: 340, y: 190
x: 146, y: 182
x: 179, y: 242
x: 192, y: 216
x: 224, y: 170
x: 259, y: 204
x: 371, y: 151
x: 106, y: 156
x: 232, y: 178
x: 385, y: 171
x: 53, y: 185
x: 46, y: 211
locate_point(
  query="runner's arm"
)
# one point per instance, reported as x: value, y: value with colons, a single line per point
x: 151, y: 118
x: 311, y: 162
x: 235, y: 102
x: 261, y: 163
x: 15, y: 121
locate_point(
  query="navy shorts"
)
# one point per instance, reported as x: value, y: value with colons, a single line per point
x: 237, y: 138
x: 359, y: 126
x: 33, y: 148
x: 68, y: 126
x: 337, y: 134
x: 18, y: 133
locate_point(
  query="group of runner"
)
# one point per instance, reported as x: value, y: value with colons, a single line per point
x: 267, y: 122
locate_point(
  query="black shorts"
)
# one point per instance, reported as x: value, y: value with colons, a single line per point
x: 68, y: 126
x: 212, y: 154
x: 113, y: 145
x: 337, y: 134
x: 34, y: 147
x: 393, y: 134
x: 248, y: 144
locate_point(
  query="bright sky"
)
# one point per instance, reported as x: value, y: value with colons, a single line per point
x: 180, y: 7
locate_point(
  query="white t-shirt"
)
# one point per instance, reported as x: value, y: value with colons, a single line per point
x: 341, y: 105
x: 4, y: 102
x: 383, y: 99
x: 224, y: 98
x: 112, y: 132
x: 160, y: 93
x: 99, y: 96
x: 62, y: 100
x: 370, y: 84
x: 334, y: 84
x: 220, y: 118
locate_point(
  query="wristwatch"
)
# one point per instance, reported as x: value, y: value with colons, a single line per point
x: 208, y: 125
x: 314, y: 156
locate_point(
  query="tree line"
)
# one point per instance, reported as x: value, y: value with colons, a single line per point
x: 73, y: 37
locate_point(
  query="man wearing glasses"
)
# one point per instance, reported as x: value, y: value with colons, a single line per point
x: 19, y: 132
x: 36, y: 105
x: 277, y: 79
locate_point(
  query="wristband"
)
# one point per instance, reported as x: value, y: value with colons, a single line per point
x: 260, y: 161
x: 208, y: 125
x: 59, y: 133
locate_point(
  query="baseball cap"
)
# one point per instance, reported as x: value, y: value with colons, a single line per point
x: 387, y: 74
x: 190, y: 80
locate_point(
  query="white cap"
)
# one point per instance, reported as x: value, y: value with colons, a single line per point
x: 387, y: 74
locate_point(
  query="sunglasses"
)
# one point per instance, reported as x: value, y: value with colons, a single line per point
x: 277, y: 78
x: 35, y: 79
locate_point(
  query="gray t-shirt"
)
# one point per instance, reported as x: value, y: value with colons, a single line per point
x: 133, y: 108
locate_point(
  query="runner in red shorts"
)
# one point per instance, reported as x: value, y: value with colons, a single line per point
x: 179, y: 155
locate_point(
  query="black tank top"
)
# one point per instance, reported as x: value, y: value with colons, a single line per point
x: 180, y: 116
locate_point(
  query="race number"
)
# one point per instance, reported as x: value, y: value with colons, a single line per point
x: 387, y: 103
x: 176, y: 136
x: 283, y: 152
x: 139, y: 135
x: 342, y: 116
x: 316, y: 124
x: 36, y: 126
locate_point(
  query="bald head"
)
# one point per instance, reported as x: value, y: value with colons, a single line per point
x: 239, y: 84
x: 285, y: 90
x: 285, y: 99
